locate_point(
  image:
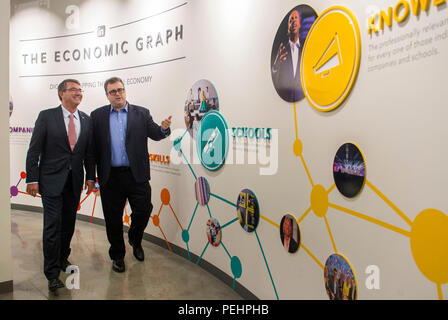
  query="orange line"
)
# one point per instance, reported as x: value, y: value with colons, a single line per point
x: 312, y: 256
x: 175, y: 216
x: 394, y: 207
x: 29, y: 194
x: 331, y: 236
x: 167, y: 243
x: 93, y: 210
x: 305, y: 214
x: 85, y: 198
x: 370, y: 219
x: 160, y: 209
x: 306, y: 169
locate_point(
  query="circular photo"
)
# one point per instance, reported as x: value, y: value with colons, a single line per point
x: 201, y: 98
x: 213, y: 232
x: 287, y: 52
x: 202, y: 191
x: 11, y: 106
x: 290, y: 233
x: 248, y: 210
x: 349, y: 170
x: 340, y: 281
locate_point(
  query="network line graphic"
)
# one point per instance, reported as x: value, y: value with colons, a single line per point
x: 235, y: 263
x: 427, y: 234
x: 14, y: 192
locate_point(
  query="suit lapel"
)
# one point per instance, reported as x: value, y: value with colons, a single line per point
x: 131, y: 116
x: 59, y: 119
x: 106, y: 128
x: 82, y: 124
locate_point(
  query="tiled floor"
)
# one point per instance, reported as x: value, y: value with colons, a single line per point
x: 163, y: 274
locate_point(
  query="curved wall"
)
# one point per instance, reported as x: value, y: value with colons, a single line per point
x: 394, y: 113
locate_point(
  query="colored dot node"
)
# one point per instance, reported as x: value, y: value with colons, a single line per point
x: 429, y: 244
x: 165, y: 197
x: 297, y: 148
x: 319, y: 200
x: 235, y: 265
x: 23, y: 175
x: 156, y: 220
x: 14, y: 191
x: 185, y: 236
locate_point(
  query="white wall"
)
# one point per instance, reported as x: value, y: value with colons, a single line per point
x: 396, y: 116
x: 5, y: 216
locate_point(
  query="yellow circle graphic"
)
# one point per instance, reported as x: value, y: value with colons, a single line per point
x: 319, y: 201
x: 429, y: 244
x: 330, y: 60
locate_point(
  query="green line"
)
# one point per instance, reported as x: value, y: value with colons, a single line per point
x: 226, y: 250
x: 188, y: 164
x: 197, y: 204
x: 229, y: 223
x: 233, y: 286
x: 209, y: 211
x: 188, y: 249
x: 183, y: 135
x: 203, y: 252
x: 227, y: 201
x: 266, y: 264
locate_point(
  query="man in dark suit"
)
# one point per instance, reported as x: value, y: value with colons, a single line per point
x: 60, y: 146
x: 286, y: 66
x: 287, y: 235
x: 121, y: 131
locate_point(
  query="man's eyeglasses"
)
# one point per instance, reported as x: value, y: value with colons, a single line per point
x: 114, y: 92
x: 73, y: 90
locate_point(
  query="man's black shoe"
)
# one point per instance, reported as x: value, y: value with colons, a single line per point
x: 139, y: 254
x: 64, y: 264
x: 118, y: 265
x: 54, y: 284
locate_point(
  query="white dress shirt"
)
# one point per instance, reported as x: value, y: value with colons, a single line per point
x: 295, y: 48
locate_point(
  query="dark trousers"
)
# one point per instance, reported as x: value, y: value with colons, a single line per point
x: 121, y: 186
x: 59, y: 226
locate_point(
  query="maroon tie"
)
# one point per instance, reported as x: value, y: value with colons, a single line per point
x: 71, y: 132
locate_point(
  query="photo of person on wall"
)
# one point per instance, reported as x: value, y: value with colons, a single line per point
x: 287, y: 51
x: 201, y: 98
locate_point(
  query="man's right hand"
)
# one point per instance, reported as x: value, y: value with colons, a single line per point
x: 32, y: 189
x: 281, y: 56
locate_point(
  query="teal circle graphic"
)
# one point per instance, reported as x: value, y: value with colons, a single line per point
x: 212, y: 141
x: 185, y: 236
x: 236, y: 267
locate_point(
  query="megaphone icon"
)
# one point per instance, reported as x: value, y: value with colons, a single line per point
x: 330, y: 59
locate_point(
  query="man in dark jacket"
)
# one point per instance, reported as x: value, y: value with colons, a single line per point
x: 121, y: 131
x: 60, y: 146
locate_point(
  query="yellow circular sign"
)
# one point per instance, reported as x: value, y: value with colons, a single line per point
x: 330, y: 60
